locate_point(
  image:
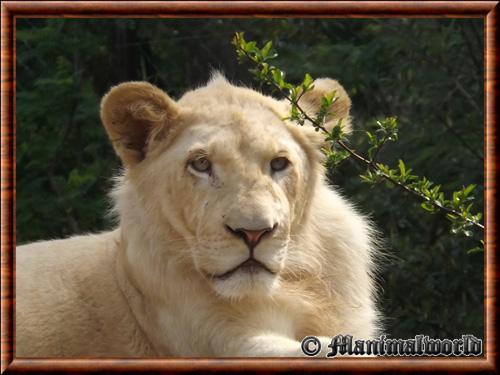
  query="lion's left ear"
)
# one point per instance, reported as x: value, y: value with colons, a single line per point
x: 310, y: 102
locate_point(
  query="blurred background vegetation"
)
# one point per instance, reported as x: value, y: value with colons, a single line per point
x: 426, y: 72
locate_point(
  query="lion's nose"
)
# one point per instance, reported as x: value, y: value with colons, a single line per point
x: 251, y: 236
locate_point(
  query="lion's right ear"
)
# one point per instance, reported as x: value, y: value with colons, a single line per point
x: 133, y: 113
x: 311, y: 103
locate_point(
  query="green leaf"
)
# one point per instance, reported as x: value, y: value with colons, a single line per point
x: 251, y: 47
x: 265, y: 50
x: 294, y: 93
x: 367, y: 177
x: 306, y: 83
x: 328, y: 99
x: 477, y: 249
x: 278, y: 77
x: 468, y: 233
x: 371, y: 138
x: 428, y: 207
x: 466, y: 191
x: 402, y: 168
x: 336, y: 133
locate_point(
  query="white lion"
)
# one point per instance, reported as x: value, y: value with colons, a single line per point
x: 230, y: 241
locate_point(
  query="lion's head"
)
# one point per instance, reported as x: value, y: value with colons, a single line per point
x: 228, y: 173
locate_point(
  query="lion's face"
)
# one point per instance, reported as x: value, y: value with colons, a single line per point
x: 231, y: 187
x: 230, y: 176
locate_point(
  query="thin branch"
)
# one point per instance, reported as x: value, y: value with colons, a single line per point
x: 362, y: 160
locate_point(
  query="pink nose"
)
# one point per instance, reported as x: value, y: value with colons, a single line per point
x: 251, y: 237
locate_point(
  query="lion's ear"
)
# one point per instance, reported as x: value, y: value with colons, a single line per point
x: 310, y: 102
x: 133, y: 113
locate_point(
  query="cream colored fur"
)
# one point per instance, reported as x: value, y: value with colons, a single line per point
x: 152, y: 287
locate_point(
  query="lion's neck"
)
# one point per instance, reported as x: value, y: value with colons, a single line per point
x: 154, y: 277
x: 153, y: 251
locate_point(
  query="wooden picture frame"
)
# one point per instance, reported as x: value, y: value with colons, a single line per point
x: 487, y: 10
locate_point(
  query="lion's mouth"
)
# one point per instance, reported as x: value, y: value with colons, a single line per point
x: 250, y: 266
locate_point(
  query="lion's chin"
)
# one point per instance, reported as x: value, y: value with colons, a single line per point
x: 243, y: 284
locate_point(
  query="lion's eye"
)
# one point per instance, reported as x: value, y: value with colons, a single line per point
x: 279, y: 164
x: 202, y: 164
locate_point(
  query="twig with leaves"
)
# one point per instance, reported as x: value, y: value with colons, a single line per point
x: 457, y: 209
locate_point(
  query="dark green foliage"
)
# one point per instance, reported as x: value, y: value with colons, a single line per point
x: 427, y: 73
